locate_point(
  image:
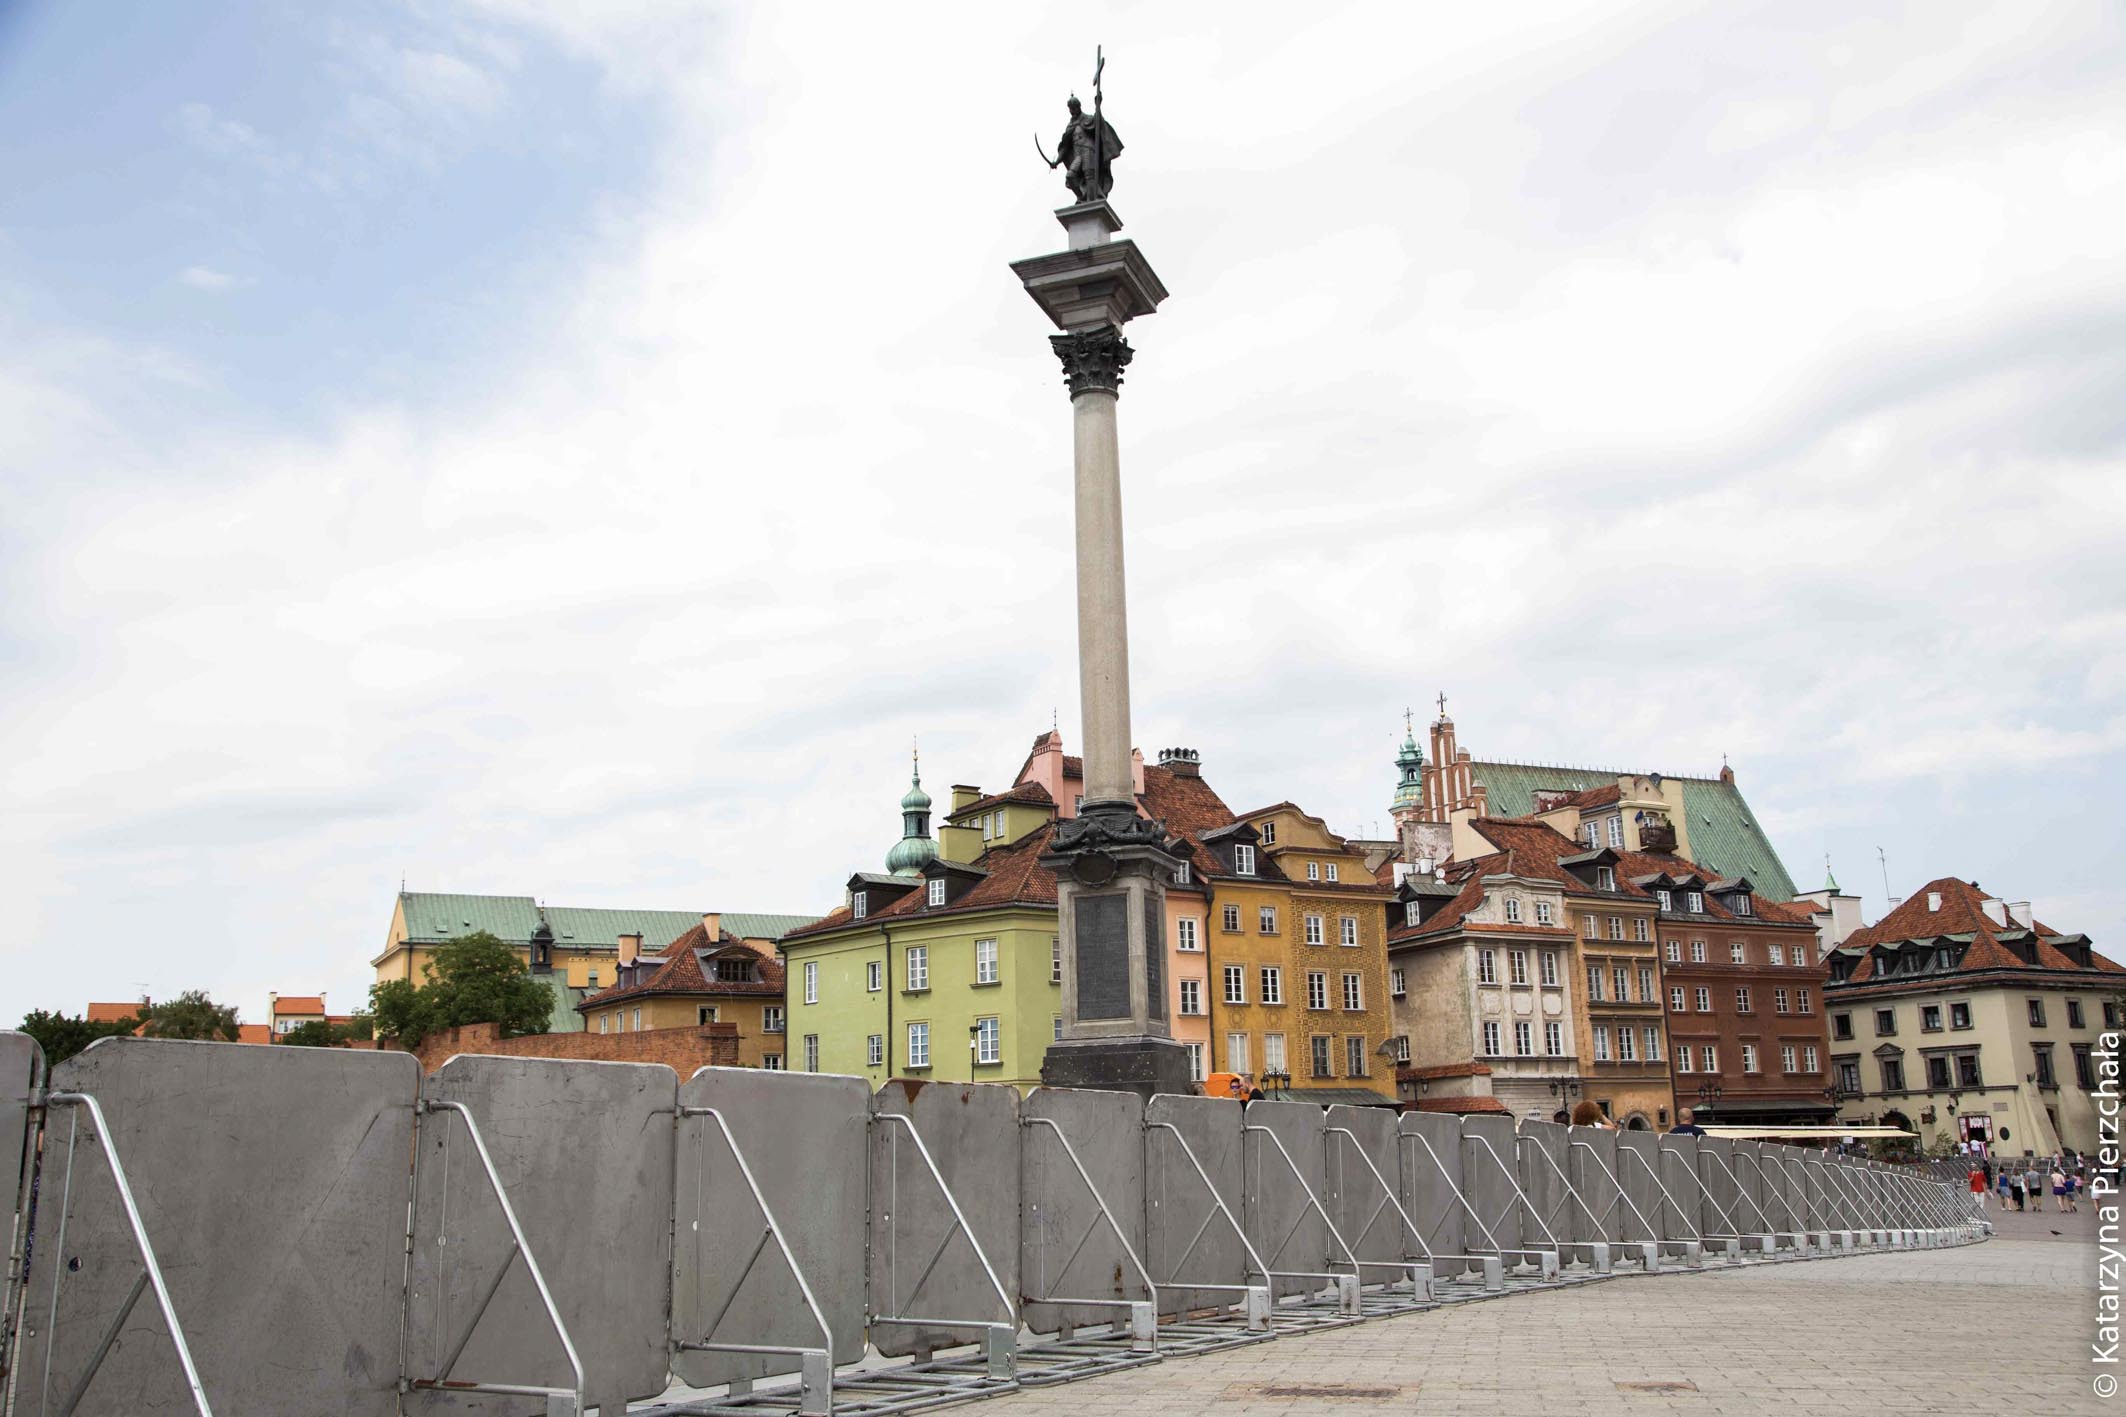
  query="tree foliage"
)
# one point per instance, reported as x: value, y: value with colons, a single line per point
x: 473, y: 979
x: 61, y: 1036
x: 192, y: 1015
x: 315, y: 1033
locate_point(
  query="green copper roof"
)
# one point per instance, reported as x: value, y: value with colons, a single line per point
x: 1723, y: 831
x: 749, y: 925
x: 432, y: 919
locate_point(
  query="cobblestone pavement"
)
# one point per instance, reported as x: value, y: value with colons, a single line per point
x: 2001, y: 1326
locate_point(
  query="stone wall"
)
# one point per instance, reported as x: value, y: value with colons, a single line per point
x: 681, y: 1049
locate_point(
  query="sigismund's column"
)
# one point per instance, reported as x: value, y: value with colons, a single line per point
x: 1111, y: 863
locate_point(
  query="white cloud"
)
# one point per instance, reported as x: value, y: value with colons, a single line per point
x: 1658, y: 391
x: 208, y: 279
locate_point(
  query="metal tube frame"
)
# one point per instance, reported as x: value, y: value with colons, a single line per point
x: 1513, y: 1179
x: 149, y: 1264
x: 1622, y: 1195
x: 1000, y: 1339
x: 520, y: 1248
x: 816, y: 1364
x: 1313, y: 1201
x: 16, y: 1286
x: 1655, y: 1172
x: 1106, y: 1213
x: 1730, y: 1171
x: 1574, y: 1192
x: 1387, y: 1193
x: 1467, y: 1209
x: 1830, y: 1191
x: 1762, y: 1213
x: 1218, y: 1207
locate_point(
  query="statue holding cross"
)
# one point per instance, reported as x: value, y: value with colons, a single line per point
x: 1088, y: 148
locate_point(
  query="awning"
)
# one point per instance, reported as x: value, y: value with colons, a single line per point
x: 1748, y: 1106
x: 1338, y: 1097
x: 1808, y: 1132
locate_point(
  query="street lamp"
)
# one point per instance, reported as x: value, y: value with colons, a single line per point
x: 1276, y: 1081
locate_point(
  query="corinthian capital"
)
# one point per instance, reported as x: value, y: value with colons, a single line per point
x: 1093, y: 359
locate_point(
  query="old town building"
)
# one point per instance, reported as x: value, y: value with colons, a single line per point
x: 1961, y: 1016
x: 707, y: 975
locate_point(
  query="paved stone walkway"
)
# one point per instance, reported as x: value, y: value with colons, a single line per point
x: 1998, y: 1327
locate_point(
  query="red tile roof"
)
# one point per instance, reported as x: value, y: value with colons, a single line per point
x: 1014, y: 876
x: 300, y: 1004
x: 1026, y: 793
x: 1962, y: 913
x: 681, y: 972
x: 113, y: 1013
x: 256, y: 1033
x: 1406, y: 1073
x: 1464, y: 1106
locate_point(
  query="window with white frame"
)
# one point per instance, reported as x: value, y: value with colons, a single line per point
x: 1192, y: 996
x: 1397, y: 983
x: 811, y: 1052
x: 1313, y: 870
x: 1319, y: 1048
x: 1605, y: 878
x: 918, y: 975
x: 1487, y: 967
x: 1195, y: 1061
x: 1620, y: 980
x: 1601, y: 1042
x: 988, y: 1041
x: 1347, y: 931
x: 1331, y: 870
x: 1354, y: 993
x: 1243, y: 859
x: 1185, y: 934
x: 1517, y: 966
x: 1749, y: 1057
x: 1675, y: 998
x: 1704, y: 999
x: 1269, y: 833
x: 1272, y: 984
x: 1788, y: 1055
x: 985, y: 961
x: 1236, y: 1052
x: 1402, y: 1047
x: 1273, y: 1056
x: 1055, y: 959
x: 1802, y: 1003
x: 1594, y: 982
x: 1313, y: 929
x: 1491, y: 1039
x: 1697, y: 951
x: 1666, y: 899
x: 1056, y: 1028
x: 1524, y: 1039
x: 875, y: 1051
x: 1409, y: 912
x: 1627, y: 1045
x: 1775, y: 953
x: 772, y: 1062
x: 1646, y: 985
x: 1709, y: 1056
x: 937, y: 892
x: 1236, y: 984
x: 1653, y: 1045
x: 1737, y: 952
x: 1808, y: 1058
x: 1232, y: 919
x: 1317, y: 989
x: 1266, y: 919
x: 1779, y: 1001
x: 1590, y: 927
x: 605, y: 1023
x: 1640, y: 930
x: 1742, y: 1000
x: 1683, y: 1057
x: 1181, y: 878
x: 918, y: 1045
x: 1593, y: 832
x: 1545, y: 913
x: 1554, y: 1039
x: 1547, y: 963
x: 1673, y: 951
x: 771, y: 1018
x: 1742, y: 905
x: 1513, y: 910
x: 1616, y: 927
x: 1694, y: 902
x: 1616, y: 830
x: 811, y: 981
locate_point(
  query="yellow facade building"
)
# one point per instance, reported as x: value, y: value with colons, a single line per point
x: 707, y: 975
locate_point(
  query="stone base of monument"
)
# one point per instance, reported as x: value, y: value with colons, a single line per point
x: 1141, y: 1065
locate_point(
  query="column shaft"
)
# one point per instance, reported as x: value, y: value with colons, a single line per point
x: 1103, y: 614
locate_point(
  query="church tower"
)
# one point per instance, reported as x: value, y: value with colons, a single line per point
x: 915, y: 849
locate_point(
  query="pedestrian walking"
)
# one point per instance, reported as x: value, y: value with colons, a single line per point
x: 2015, y: 1189
x: 2059, y: 1188
x: 2000, y: 1180
x: 2074, y: 1182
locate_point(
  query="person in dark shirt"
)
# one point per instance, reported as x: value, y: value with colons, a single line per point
x: 1686, y: 1125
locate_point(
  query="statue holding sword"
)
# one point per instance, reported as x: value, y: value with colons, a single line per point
x: 1088, y: 148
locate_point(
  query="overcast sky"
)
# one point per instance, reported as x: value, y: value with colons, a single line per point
x: 573, y: 453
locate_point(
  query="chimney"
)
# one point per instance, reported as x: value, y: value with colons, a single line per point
x: 1182, y: 762
x: 630, y: 948
x: 712, y: 925
x: 2019, y: 912
x: 964, y: 796
x: 1996, y: 910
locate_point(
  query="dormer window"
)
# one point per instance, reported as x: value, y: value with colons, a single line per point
x: 1269, y: 833
x: 1513, y: 911
x: 1616, y: 831
x: 1331, y: 869
x: 937, y: 893
x: 1244, y: 859
x: 1409, y: 912
x: 860, y: 905
x: 1593, y: 834
x: 1313, y: 870
x: 1181, y: 877
x: 1695, y: 902
x: 1667, y: 899
x: 1740, y: 904
x: 1605, y: 878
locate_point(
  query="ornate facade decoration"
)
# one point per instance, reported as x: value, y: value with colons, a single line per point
x: 1093, y: 360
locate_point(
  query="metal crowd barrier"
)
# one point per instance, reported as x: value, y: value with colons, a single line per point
x: 217, y: 1228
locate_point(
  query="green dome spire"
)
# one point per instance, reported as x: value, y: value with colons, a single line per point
x: 915, y: 849
x: 1410, y: 763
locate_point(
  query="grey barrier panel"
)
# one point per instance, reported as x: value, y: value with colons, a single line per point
x: 1824, y: 1211
x: 1638, y: 1163
x: 804, y: 1142
x: 1594, y: 1177
x: 272, y: 1184
x: 971, y: 1131
x: 1795, y: 1186
x: 1362, y: 1199
x: 1281, y: 1181
x: 1067, y: 1246
x: 1719, y: 1208
x: 1545, y: 1172
x: 1431, y: 1144
x: 21, y: 1067
x: 1486, y: 1141
x: 1680, y: 1206
x: 1186, y: 1240
x: 584, y: 1152
x: 1751, y: 1210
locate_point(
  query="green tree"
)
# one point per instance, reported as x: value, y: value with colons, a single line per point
x: 316, y: 1033
x: 61, y: 1036
x: 192, y: 1015
x: 473, y: 979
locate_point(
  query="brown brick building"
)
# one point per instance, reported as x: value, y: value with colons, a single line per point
x: 1748, y: 1036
